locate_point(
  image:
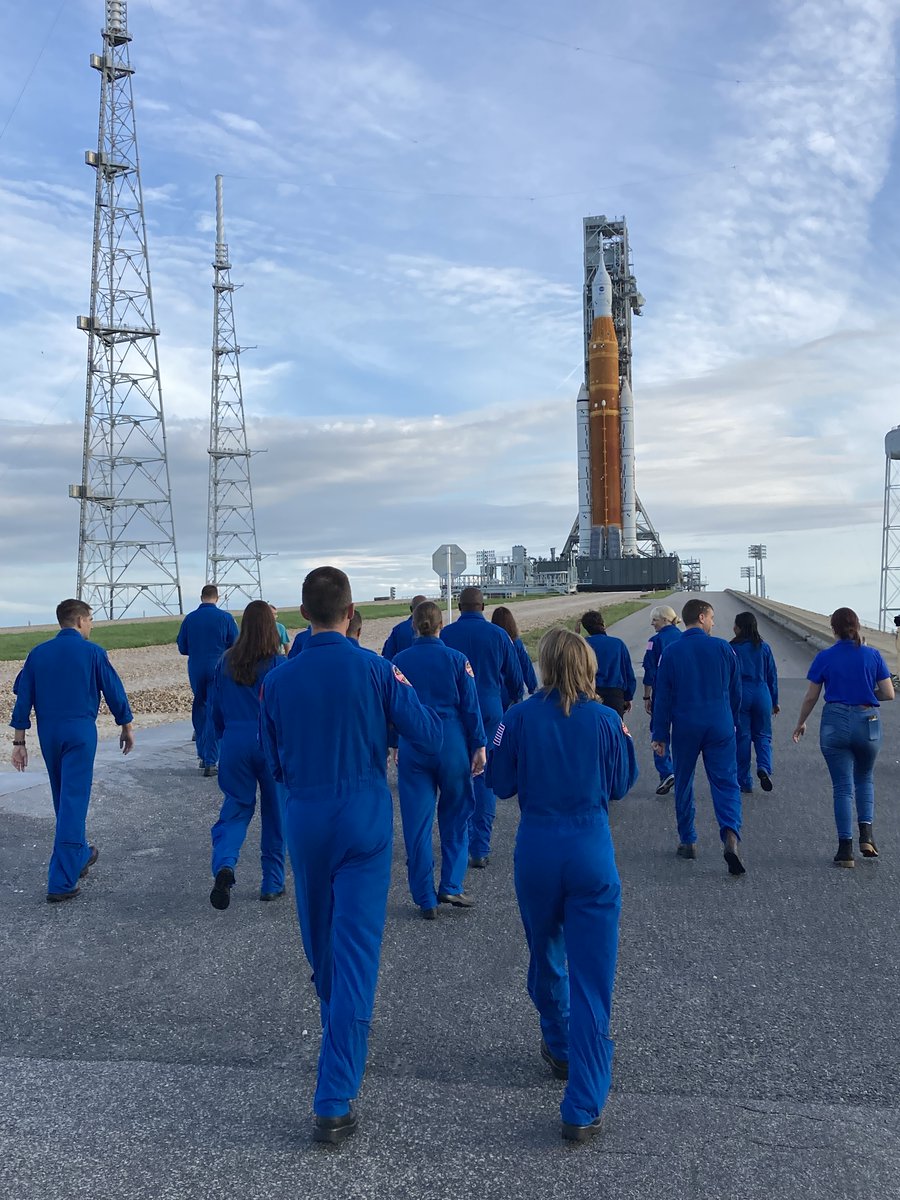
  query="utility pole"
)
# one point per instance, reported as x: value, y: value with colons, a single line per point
x: 758, y: 553
x: 232, y: 552
x: 126, y: 543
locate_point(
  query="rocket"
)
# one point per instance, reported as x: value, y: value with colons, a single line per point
x: 604, y: 425
x: 629, y: 497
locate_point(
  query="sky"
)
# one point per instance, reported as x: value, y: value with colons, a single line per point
x: 404, y: 191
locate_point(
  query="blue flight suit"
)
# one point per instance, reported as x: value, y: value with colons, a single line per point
x: 565, y: 771
x: 204, y: 636
x: 655, y: 647
x: 234, y: 711
x: 528, y: 676
x: 698, y: 698
x: 614, y: 669
x: 496, y: 665
x: 300, y: 641
x: 445, y: 683
x: 400, y: 638
x: 62, y: 680
x: 324, y: 727
x: 759, y: 695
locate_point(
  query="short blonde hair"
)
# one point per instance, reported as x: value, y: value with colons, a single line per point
x: 568, y: 664
x: 664, y: 613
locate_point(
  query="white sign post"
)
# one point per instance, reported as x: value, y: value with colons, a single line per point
x: 447, y: 562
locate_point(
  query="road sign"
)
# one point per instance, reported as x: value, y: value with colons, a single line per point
x: 457, y: 560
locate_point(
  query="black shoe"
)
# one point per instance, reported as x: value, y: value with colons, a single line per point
x: 479, y: 863
x: 429, y: 914
x: 194, y: 735
x: 220, y: 896
x: 95, y: 854
x: 59, y: 897
x: 208, y: 770
x: 867, y: 847
x: 687, y: 850
x: 844, y: 856
x: 268, y: 896
x: 458, y: 899
x: 333, y: 1130
x: 765, y: 780
x: 559, y: 1067
x: 581, y: 1133
x: 735, y: 866
x: 666, y: 786
x: 746, y: 789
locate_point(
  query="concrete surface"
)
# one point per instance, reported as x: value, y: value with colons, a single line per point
x: 152, y: 1047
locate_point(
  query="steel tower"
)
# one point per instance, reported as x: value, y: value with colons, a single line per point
x: 126, y: 546
x: 232, y: 553
x: 889, y: 599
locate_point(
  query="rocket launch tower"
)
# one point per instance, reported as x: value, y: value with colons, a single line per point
x: 614, y: 542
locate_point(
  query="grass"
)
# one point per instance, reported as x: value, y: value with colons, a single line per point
x: 611, y: 614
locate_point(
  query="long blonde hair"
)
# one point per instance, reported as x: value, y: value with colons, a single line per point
x: 568, y: 664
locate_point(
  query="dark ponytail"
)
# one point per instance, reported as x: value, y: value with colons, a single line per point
x: 845, y: 625
x: 747, y: 629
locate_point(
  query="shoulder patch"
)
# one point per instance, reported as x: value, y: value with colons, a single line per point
x: 498, y: 736
x: 650, y: 644
x: 469, y: 670
x: 399, y: 676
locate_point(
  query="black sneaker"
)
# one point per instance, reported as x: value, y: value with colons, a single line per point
x: 429, y: 914
x: 479, y: 863
x: 687, y: 850
x: 867, y: 847
x: 844, y: 856
x: 666, y: 785
x: 731, y: 856
x: 559, y: 1067
x: 333, y: 1130
x: 268, y: 897
x: 581, y: 1133
x: 220, y: 896
x: 765, y: 780
x: 60, y: 897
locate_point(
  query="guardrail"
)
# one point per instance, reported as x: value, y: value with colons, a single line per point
x: 811, y: 627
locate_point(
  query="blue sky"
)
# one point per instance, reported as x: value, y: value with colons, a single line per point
x: 404, y: 188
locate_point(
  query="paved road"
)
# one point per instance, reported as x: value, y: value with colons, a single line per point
x: 151, y: 1047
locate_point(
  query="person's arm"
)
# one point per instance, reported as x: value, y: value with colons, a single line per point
x: 771, y: 677
x: 734, y: 685
x: 884, y: 689
x: 419, y: 725
x: 502, y: 773
x: 23, y: 689
x: 389, y: 649
x: 617, y: 749
x: 661, y: 719
x: 809, y: 703
x: 470, y: 713
x: 231, y: 631
x: 182, y: 640
x: 510, y: 671
x: 268, y: 736
x: 649, y: 666
x: 214, y: 701
x: 114, y: 694
x: 528, y: 675
x: 630, y: 681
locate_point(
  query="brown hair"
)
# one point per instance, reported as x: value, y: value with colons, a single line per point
x: 209, y: 592
x: 592, y: 622
x: 568, y: 664
x: 694, y: 610
x: 503, y: 617
x: 416, y: 601
x: 257, y: 641
x: 427, y: 619
x: 68, y: 612
x: 845, y: 624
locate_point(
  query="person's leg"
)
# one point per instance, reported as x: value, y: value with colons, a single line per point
x: 761, y: 730
x: 834, y: 742
x: 271, y: 813
x: 455, y: 807
x: 481, y: 822
x: 743, y: 750
x: 719, y: 761
x: 417, y: 788
x: 237, y: 780
x: 866, y: 742
x: 591, y: 925
x: 685, y: 749
x: 539, y: 893
x: 207, y: 742
x: 197, y: 680
x: 360, y: 887
x: 663, y: 763
x: 75, y: 749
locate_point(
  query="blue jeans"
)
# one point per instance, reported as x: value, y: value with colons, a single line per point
x: 850, y: 738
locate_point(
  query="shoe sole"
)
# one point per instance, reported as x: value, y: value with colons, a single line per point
x: 92, y: 862
x: 580, y: 1133
x: 333, y: 1137
x: 557, y: 1071
x: 765, y: 782
x: 220, y: 896
x: 867, y: 850
x: 689, y: 857
x: 268, y: 897
x: 735, y: 866
x: 665, y: 788
x: 60, y: 897
x: 844, y: 862
x: 454, y: 901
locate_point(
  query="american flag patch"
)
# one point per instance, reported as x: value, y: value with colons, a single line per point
x: 498, y: 736
x: 400, y: 677
x: 650, y: 644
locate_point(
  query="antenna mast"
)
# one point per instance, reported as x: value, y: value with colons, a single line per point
x: 232, y: 552
x: 126, y: 545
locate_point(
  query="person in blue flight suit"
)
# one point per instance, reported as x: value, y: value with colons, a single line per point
x: 62, y: 681
x: 204, y: 636
x: 697, y: 699
x: 566, y: 756
x: 234, y: 711
x: 300, y: 642
x: 759, y: 701
x: 402, y: 635
x: 615, y: 674
x: 324, y: 722
x: 284, y: 638
x: 445, y: 683
x: 665, y: 622
x: 503, y: 617
x: 493, y: 657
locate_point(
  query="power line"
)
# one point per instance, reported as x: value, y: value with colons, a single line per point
x: 34, y: 67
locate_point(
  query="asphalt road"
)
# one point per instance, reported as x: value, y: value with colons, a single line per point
x: 152, y: 1047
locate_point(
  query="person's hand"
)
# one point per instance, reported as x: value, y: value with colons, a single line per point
x: 658, y: 748
x: 19, y: 758
x: 775, y: 710
x: 126, y: 739
x: 648, y: 705
x: 799, y: 732
x: 392, y: 755
x: 628, y: 706
x: 479, y: 760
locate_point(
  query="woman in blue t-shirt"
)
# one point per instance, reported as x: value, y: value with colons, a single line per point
x: 856, y: 678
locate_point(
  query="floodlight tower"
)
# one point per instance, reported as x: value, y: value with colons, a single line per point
x: 889, y: 601
x: 126, y: 545
x: 232, y: 553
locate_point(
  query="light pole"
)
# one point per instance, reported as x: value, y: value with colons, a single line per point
x: 758, y: 553
x: 747, y: 573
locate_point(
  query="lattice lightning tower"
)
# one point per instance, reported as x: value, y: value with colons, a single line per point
x: 126, y: 548
x: 232, y: 553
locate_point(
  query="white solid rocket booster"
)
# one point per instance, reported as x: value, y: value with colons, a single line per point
x: 629, y: 504
x: 582, y: 410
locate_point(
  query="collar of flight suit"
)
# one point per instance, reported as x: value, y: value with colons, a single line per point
x: 329, y: 637
x: 471, y: 616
